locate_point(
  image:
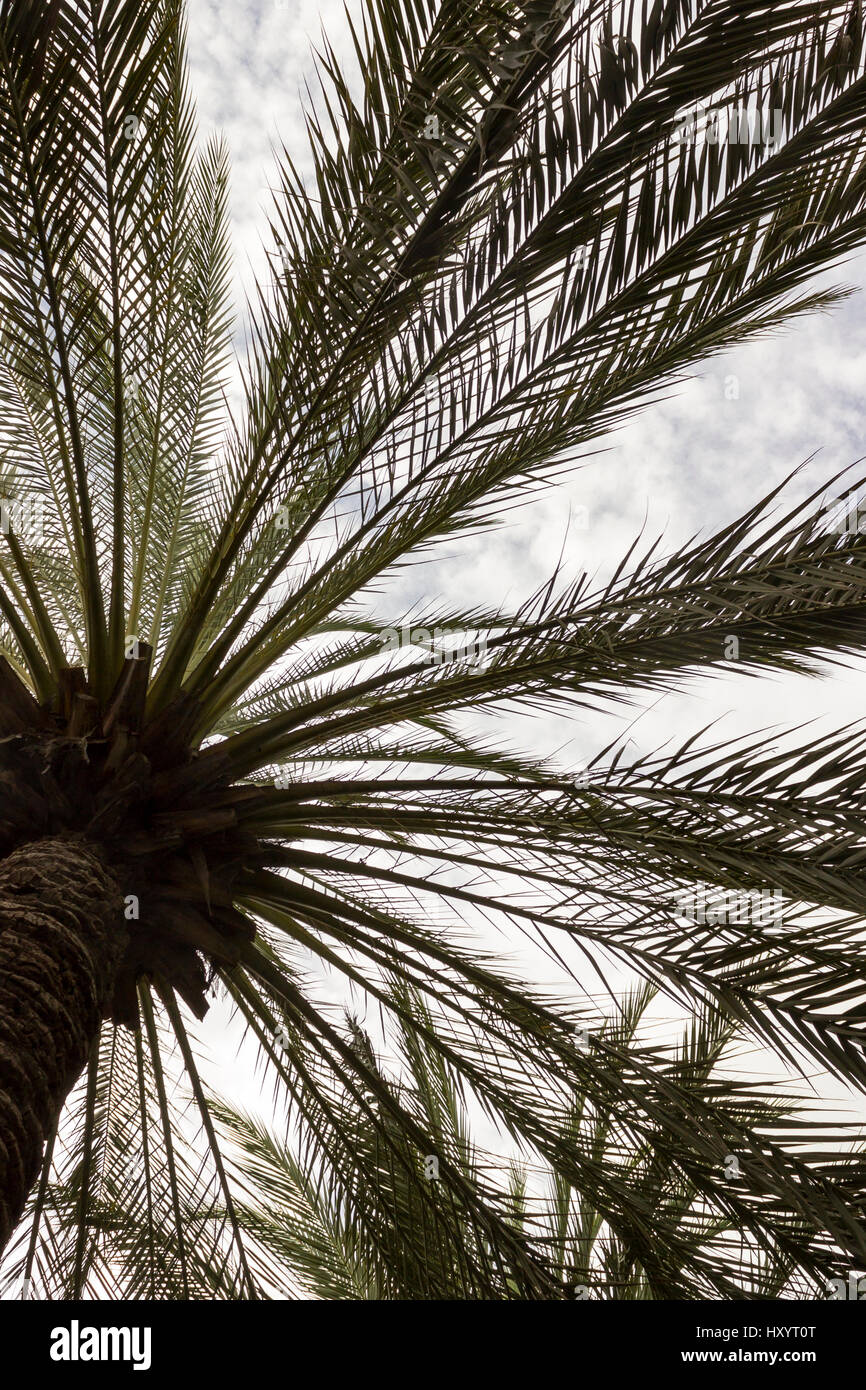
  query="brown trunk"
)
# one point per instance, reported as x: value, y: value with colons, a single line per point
x: 62, y: 935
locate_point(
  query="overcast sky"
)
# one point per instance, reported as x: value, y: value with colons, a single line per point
x: 688, y: 464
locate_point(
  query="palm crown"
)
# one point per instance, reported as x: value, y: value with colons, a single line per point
x: 220, y: 756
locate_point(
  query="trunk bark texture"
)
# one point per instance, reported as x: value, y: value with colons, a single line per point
x: 62, y: 935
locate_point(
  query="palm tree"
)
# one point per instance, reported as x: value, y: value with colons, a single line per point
x: 223, y: 757
x: 305, y: 1229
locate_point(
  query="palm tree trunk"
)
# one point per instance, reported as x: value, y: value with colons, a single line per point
x: 62, y: 936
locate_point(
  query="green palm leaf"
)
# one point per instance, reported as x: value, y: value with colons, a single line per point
x: 509, y: 243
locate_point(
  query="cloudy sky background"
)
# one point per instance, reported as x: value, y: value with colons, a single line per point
x: 687, y: 465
